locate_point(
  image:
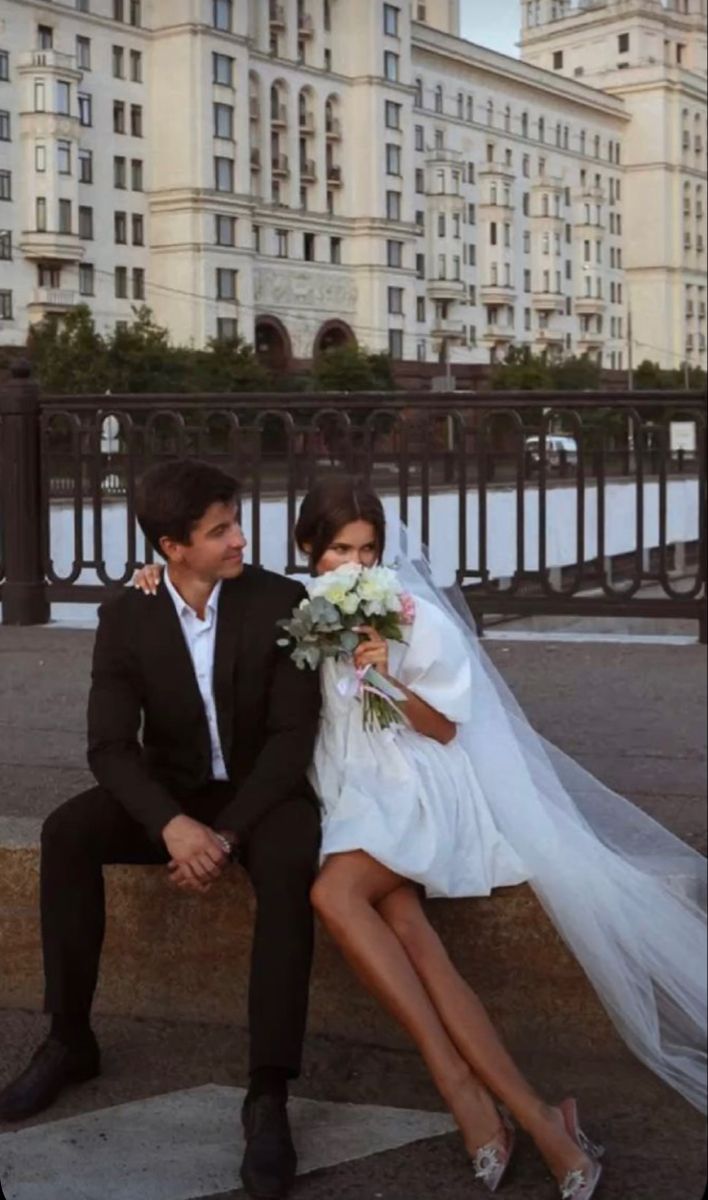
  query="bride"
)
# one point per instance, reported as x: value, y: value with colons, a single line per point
x: 465, y: 797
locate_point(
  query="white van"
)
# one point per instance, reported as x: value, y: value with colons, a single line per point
x: 559, y: 446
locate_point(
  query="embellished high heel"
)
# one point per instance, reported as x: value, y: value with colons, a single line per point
x: 492, y: 1160
x: 582, y: 1182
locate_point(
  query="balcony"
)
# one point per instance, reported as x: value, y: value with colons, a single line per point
x: 277, y: 17
x: 279, y: 115
x: 497, y: 293
x: 308, y: 172
x: 497, y: 201
x: 451, y: 331
x: 550, y: 337
x: 53, y: 300
x: 254, y: 108
x: 497, y: 171
x: 306, y: 122
x: 280, y: 164
x: 498, y: 334
x: 49, y: 60
x: 589, y: 305
x: 255, y: 159
x: 588, y: 340
x: 445, y: 289
x: 334, y: 176
x: 548, y: 301
x: 305, y: 26
x: 52, y: 247
x: 333, y: 129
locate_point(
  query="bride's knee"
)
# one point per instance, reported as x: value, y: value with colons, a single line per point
x: 326, y: 897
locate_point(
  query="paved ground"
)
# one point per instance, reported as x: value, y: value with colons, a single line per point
x: 634, y: 714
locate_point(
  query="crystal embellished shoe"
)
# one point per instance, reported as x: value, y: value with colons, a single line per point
x: 582, y: 1182
x: 492, y: 1160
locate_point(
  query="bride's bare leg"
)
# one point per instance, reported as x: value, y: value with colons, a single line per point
x: 470, y: 1029
x: 344, y: 896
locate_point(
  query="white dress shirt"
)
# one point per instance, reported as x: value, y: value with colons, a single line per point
x: 200, y: 637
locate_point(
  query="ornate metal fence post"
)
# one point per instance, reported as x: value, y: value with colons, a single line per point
x: 24, y: 600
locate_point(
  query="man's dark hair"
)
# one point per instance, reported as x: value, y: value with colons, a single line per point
x: 333, y: 502
x: 173, y: 496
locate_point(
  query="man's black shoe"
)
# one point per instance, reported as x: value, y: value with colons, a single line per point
x: 270, y: 1162
x: 52, y: 1068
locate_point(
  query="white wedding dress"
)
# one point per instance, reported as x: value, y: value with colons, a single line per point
x: 411, y: 803
x: 499, y: 805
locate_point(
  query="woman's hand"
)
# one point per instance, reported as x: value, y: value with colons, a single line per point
x: 148, y: 579
x: 372, y: 650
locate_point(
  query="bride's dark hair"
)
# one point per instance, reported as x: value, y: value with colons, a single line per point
x: 332, y: 503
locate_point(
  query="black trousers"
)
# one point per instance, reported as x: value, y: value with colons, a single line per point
x: 281, y: 854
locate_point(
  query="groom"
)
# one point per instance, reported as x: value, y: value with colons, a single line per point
x: 228, y: 729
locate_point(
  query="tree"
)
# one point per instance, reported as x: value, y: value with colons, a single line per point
x: 352, y: 369
x: 649, y: 376
x: 69, y: 355
x: 521, y: 371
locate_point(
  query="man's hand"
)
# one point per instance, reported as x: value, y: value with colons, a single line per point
x: 196, y: 857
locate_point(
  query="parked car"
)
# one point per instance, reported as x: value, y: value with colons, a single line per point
x: 561, y: 449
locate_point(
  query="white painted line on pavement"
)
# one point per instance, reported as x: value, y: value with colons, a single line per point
x: 189, y: 1144
x: 624, y: 639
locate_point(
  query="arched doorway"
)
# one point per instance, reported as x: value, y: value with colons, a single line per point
x: 332, y: 335
x: 273, y: 346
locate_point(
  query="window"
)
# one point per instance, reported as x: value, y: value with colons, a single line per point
x: 222, y: 69
x: 45, y: 37
x: 439, y: 106
x: 65, y: 216
x: 119, y: 176
x: 392, y: 115
x: 282, y: 240
x: 85, y: 223
x: 419, y: 137
x: 441, y: 224
x: 225, y: 283
x: 224, y: 230
x: 135, y: 13
x: 4, y: 66
x: 83, y: 53
x: 118, y: 10
x: 623, y: 43
x: 63, y: 98
x: 40, y: 212
x: 118, y: 62
x: 4, y: 126
x: 120, y: 228
x: 121, y: 283
x: 136, y: 120
x: 394, y: 253
x: 5, y: 305
x: 390, y: 22
x: 138, y: 229
x: 557, y: 60
x: 87, y: 281
x: 418, y: 98
x: 136, y: 174
x: 224, y: 121
x: 527, y: 242
x: 308, y: 247
x: 393, y: 159
x: 493, y: 233
x: 335, y: 250
x: 223, y: 174
x: 85, y: 166
x: 420, y: 309
x: 64, y: 157
x: 5, y: 185
x: 222, y: 15
x: 136, y: 66
x: 395, y: 343
x: 393, y: 206
x: 5, y: 244
x: 118, y: 116
x: 395, y: 301
x: 226, y: 329
x: 391, y: 66
x: 420, y: 266
x: 138, y: 283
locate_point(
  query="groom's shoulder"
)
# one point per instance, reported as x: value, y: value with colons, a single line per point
x: 268, y: 585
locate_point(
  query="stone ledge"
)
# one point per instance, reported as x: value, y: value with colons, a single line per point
x: 186, y: 958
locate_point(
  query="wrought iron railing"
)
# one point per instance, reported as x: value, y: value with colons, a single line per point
x: 523, y: 492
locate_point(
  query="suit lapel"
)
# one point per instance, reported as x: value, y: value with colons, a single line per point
x: 234, y: 602
x: 166, y: 640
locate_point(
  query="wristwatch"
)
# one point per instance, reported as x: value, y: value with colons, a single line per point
x: 225, y: 844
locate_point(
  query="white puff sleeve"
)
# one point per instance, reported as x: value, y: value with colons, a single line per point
x: 436, y: 664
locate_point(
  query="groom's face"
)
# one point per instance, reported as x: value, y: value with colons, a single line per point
x: 215, y: 548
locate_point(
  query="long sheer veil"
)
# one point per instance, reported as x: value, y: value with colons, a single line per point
x: 627, y: 896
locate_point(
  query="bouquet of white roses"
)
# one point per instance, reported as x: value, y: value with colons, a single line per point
x: 325, y: 626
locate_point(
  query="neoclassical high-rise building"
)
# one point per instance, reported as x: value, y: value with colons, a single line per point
x: 311, y: 171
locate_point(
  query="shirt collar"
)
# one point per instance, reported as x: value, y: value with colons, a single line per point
x: 184, y: 609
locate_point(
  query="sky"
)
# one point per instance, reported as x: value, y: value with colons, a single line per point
x: 493, y: 23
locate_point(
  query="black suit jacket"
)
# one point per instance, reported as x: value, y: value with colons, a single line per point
x: 143, y: 682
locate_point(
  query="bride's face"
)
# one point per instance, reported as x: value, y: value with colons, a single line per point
x: 354, y: 543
